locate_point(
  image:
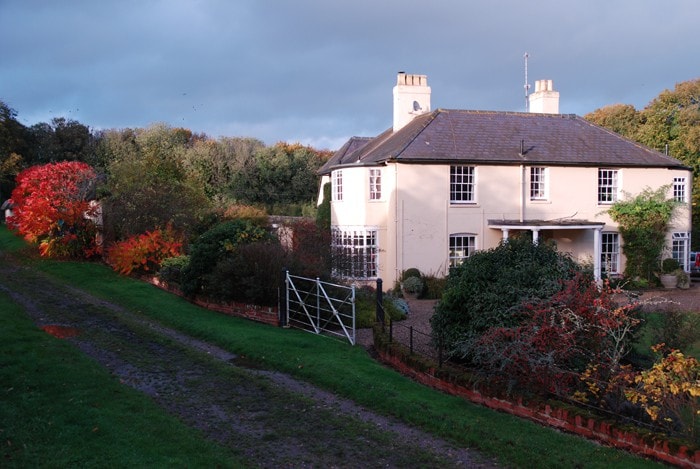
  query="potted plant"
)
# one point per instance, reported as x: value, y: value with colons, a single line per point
x: 668, y: 276
x: 683, y: 279
x: 412, y: 287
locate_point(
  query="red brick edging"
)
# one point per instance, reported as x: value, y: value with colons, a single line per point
x: 654, y: 446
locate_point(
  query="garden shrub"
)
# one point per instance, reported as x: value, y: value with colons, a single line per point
x: 144, y: 253
x: 215, y: 245
x: 677, y: 329
x: 413, y: 285
x: 397, y: 308
x: 412, y: 272
x: 310, y: 249
x: 52, y: 209
x: 559, y: 337
x: 366, y: 311
x: 434, y: 287
x: 487, y: 289
x: 670, y: 265
x: 323, y: 213
x: 669, y: 392
x: 643, y: 222
x: 251, y: 274
x: 255, y: 215
x: 171, y: 269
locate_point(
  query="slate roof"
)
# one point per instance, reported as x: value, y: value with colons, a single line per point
x: 448, y: 136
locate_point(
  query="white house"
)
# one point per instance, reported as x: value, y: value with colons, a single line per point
x: 438, y: 185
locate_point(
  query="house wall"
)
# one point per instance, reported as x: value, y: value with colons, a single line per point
x: 414, y: 221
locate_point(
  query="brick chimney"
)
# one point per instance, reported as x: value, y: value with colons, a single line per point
x: 544, y: 100
x: 411, y: 98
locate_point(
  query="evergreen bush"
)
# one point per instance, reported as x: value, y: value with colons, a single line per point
x: 487, y: 288
x: 216, y: 245
x: 251, y: 274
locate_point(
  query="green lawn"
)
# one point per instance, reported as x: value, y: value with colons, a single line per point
x: 59, y: 408
x: 333, y: 365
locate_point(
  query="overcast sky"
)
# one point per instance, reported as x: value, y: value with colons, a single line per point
x: 321, y: 71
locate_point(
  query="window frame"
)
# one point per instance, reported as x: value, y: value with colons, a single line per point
x: 375, y: 184
x: 454, y: 259
x: 609, y: 192
x: 680, y: 248
x: 610, y: 256
x: 680, y: 189
x: 461, y: 192
x: 539, y: 183
x: 337, y: 185
x: 355, y: 252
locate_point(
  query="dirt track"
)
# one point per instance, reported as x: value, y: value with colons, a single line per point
x: 266, y: 417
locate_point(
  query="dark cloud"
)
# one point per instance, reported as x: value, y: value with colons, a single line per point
x: 319, y: 71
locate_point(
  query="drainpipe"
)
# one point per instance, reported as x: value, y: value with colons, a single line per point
x: 522, y: 193
x: 596, y: 254
x: 396, y: 220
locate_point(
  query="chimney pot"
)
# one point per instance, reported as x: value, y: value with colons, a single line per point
x: 411, y: 98
x: 544, y: 100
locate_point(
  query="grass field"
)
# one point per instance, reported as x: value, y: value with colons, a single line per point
x: 39, y: 410
x: 58, y: 408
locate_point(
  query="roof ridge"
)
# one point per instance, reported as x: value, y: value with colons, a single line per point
x: 512, y: 113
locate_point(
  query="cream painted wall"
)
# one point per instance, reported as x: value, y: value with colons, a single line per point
x: 414, y: 222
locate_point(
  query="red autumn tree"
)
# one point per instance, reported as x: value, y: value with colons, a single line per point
x: 52, y: 209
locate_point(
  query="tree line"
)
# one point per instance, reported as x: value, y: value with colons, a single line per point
x: 158, y: 174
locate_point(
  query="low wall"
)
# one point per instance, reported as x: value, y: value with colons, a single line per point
x: 637, y: 441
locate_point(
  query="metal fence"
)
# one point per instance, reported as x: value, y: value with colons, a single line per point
x: 418, y: 342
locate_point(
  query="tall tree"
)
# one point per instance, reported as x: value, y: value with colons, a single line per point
x: 621, y: 118
x: 13, y: 147
x: 148, y: 185
x: 671, y: 121
x: 214, y: 163
x: 61, y: 140
x: 281, y: 174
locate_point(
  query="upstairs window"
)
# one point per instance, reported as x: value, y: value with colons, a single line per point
x: 337, y: 185
x: 375, y: 184
x: 462, y: 184
x: 538, y: 183
x: 608, y: 186
x: 679, y: 189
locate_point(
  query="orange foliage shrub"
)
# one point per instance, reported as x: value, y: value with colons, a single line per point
x: 144, y: 253
x: 255, y: 215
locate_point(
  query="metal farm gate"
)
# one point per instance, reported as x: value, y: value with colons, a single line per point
x: 319, y: 307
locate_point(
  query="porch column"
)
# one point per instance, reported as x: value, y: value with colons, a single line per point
x: 596, y: 254
x: 535, y: 236
x: 505, y: 234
